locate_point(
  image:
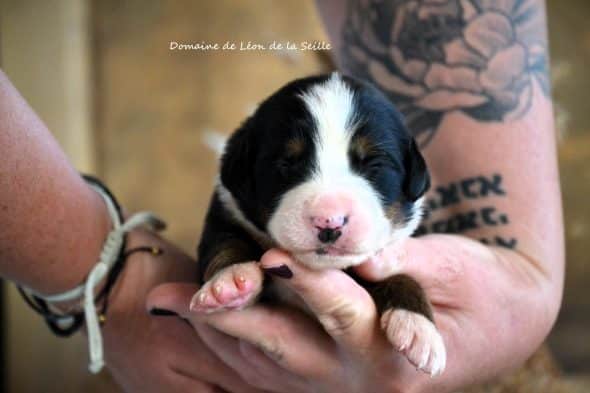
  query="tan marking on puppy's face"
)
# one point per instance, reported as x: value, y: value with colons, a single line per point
x: 362, y: 147
x: 294, y: 147
x: 394, y: 213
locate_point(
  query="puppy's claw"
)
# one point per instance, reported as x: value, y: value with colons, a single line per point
x: 417, y: 338
x: 234, y: 287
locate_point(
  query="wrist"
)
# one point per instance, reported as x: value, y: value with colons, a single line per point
x: 108, y: 266
x: 537, y: 294
x: 84, y: 245
x: 141, y: 272
x: 144, y: 271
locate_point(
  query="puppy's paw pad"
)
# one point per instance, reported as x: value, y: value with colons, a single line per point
x: 417, y: 338
x: 234, y: 287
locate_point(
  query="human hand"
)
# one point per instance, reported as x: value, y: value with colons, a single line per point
x: 149, y: 353
x: 492, y: 306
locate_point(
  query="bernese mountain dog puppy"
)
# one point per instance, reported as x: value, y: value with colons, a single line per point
x: 326, y: 170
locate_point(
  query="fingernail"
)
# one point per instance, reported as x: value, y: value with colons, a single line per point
x: 282, y: 271
x: 160, y: 312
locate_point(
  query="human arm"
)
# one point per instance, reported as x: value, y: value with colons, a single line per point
x: 43, y: 203
x: 471, y: 78
x: 53, y: 229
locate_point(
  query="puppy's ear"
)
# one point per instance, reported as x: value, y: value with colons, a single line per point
x: 417, y: 180
x: 238, y: 163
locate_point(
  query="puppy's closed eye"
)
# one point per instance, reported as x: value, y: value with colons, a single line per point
x: 285, y: 166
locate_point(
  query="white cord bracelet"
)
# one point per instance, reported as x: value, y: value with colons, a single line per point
x: 107, y: 259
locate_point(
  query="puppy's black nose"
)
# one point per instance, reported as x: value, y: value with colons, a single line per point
x: 329, y: 235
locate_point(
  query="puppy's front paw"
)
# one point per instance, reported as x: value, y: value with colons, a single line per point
x: 417, y: 338
x: 232, y: 288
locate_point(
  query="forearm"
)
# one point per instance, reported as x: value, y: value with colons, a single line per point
x: 473, y: 85
x: 476, y: 95
x: 498, y: 183
x: 53, y: 224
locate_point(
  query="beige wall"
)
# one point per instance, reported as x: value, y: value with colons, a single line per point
x: 45, y: 48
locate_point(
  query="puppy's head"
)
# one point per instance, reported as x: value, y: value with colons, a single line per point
x: 326, y: 168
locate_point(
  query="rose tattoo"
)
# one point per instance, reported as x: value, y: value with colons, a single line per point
x: 481, y: 57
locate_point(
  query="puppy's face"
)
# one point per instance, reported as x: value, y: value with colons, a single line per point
x: 327, y: 170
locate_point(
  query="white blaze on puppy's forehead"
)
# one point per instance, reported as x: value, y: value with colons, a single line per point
x: 332, y: 106
x: 333, y: 109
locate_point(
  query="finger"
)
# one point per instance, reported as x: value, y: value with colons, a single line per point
x: 174, y: 297
x: 287, y: 382
x: 227, y: 349
x: 255, y: 371
x: 198, y: 360
x: 186, y: 383
x: 193, y: 359
x: 384, y: 264
x: 437, y: 262
x: 178, y: 352
x: 343, y: 307
x: 172, y: 382
x: 287, y: 336
x: 273, y: 331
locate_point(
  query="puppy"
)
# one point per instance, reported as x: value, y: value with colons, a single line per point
x: 326, y: 170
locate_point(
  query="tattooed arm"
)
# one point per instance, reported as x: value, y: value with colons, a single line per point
x: 482, y: 58
x: 471, y: 77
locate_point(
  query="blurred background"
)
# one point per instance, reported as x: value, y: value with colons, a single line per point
x: 126, y: 107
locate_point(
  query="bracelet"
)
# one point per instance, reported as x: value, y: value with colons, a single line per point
x: 64, y: 324
x: 109, y: 265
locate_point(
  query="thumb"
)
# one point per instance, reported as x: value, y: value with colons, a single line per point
x: 437, y: 262
x: 174, y: 297
x: 344, y: 308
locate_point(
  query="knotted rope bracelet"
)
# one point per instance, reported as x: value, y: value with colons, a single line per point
x: 110, y: 264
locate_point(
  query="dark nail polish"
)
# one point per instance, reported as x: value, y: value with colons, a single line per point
x: 160, y: 312
x: 282, y: 271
